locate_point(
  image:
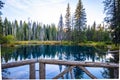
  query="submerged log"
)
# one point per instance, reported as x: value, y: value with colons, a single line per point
x: 87, y: 72
x: 62, y: 73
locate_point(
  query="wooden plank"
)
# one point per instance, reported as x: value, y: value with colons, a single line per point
x: 87, y: 72
x: 62, y: 73
x: 116, y: 73
x: 60, y: 62
x: 18, y: 63
x: 42, y: 71
x: 71, y: 74
x: 78, y: 63
x: 62, y: 77
x: 32, y: 71
x: 113, y: 51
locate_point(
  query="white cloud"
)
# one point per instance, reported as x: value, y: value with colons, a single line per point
x: 15, y: 4
x: 48, y: 11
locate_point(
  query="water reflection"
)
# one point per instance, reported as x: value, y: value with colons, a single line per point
x: 75, y: 53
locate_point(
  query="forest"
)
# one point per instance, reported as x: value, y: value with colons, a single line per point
x: 73, y: 29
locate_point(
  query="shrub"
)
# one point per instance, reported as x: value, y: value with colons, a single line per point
x: 2, y: 39
x: 10, y: 38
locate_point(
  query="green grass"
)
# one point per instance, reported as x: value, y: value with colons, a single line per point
x: 42, y: 43
x: 37, y: 42
x: 90, y: 43
x: 102, y: 45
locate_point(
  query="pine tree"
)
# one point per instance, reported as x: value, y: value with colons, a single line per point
x: 60, y: 28
x: 34, y: 26
x: 112, y: 10
x: 1, y: 24
x: 68, y: 23
x: 67, y: 17
x: 25, y: 30
x: 54, y: 32
x: 80, y: 23
x: 78, y: 14
x: 1, y: 5
x: 16, y: 34
x: 5, y: 27
x: 29, y: 29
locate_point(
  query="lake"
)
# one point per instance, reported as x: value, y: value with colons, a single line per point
x: 59, y: 52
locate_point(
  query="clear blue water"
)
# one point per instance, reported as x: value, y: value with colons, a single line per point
x: 71, y: 53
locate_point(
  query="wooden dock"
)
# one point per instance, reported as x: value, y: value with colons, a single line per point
x: 70, y: 64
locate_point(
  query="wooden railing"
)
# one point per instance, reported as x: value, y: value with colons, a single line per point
x: 70, y: 64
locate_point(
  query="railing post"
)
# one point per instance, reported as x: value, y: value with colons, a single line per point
x: 71, y: 74
x: 116, y: 73
x: 32, y: 71
x: 42, y: 70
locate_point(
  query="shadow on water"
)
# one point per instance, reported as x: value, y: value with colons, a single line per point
x: 74, y: 53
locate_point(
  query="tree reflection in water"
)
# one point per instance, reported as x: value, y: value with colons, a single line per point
x: 74, y: 53
x: 112, y: 73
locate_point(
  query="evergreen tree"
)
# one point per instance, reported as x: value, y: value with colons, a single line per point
x: 54, y: 32
x: 16, y: 27
x: 5, y: 28
x: 25, y: 31
x: 9, y: 28
x: 60, y: 28
x: 89, y: 33
x: 94, y: 32
x: 68, y: 23
x: 34, y: 30
x: 1, y: 24
x: 45, y: 32
x: 1, y: 5
x: 21, y: 31
x: 78, y: 14
x: 80, y: 22
x: 29, y: 29
x: 112, y: 10
x: 38, y: 31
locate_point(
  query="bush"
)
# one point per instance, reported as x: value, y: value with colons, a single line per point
x: 9, y: 38
x: 2, y: 39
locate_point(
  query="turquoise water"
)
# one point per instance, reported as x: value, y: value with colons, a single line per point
x: 71, y: 53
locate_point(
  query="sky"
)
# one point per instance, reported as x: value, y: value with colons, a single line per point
x: 49, y: 11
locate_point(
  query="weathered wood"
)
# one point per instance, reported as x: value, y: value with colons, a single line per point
x: 61, y: 62
x: 71, y: 74
x: 87, y: 72
x: 62, y: 77
x: 78, y: 63
x: 113, y: 51
x: 42, y: 70
x: 116, y: 73
x: 62, y: 73
x: 42, y: 63
x: 32, y: 71
x: 18, y: 63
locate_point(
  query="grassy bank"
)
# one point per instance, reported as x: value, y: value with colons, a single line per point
x: 102, y: 45
x: 88, y: 43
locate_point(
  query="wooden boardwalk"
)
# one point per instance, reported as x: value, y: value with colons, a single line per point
x: 70, y: 64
